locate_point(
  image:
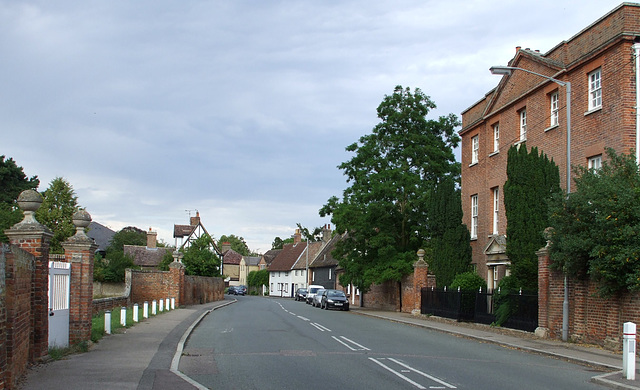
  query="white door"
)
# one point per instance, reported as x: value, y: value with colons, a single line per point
x: 59, y: 278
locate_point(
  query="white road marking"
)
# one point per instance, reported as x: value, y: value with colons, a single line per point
x: 362, y: 347
x: 303, y: 318
x: 320, y: 327
x: 418, y: 385
x: 433, y: 378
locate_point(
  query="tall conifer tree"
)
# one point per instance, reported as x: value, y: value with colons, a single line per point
x: 532, y: 179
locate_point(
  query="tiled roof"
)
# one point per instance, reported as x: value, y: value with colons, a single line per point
x: 270, y: 255
x: 145, y: 257
x: 231, y: 257
x: 182, y: 230
x: 324, y: 258
x: 314, y: 248
x: 288, y: 257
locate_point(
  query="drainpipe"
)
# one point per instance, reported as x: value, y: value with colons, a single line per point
x: 636, y: 48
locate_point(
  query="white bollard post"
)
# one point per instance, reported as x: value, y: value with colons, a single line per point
x: 166, y: 303
x: 107, y: 322
x: 161, y: 309
x: 145, y: 310
x: 123, y: 316
x: 173, y: 303
x: 153, y: 307
x: 629, y: 351
x: 135, y: 312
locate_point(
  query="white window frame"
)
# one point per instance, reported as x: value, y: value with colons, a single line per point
x: 595, y: 89
x: 523, y: 125
x: 496, y: 209
x: 496, y: 138
x: 474, y: 216
x: 555, y: 117
x: 475, y: 146
x: 595, y: 162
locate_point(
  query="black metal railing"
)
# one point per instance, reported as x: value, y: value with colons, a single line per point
x: 480, y: 307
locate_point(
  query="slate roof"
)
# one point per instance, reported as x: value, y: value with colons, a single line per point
x: 101, y: 234
x: 145, y: 257
x: 251, y: 261
x: 231, y: 257
x: 287, y: 257
x: 324, y: 257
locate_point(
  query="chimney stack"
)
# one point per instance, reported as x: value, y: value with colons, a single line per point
x: 326, y: 233
x: 195, y: 220
x: 297, y: 238
x: 226, y: 246
x: 152, y: 238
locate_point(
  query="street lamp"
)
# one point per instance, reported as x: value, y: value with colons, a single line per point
x: 507, y: 70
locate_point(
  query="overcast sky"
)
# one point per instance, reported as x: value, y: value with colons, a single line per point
x: 238, y: 109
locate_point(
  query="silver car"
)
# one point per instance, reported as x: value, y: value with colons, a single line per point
x: 317, y: 299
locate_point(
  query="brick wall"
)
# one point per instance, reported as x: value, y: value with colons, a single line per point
x: 15, y: 322
x: 386, y: 296
x: 202, y: 289
x: 592, y: 319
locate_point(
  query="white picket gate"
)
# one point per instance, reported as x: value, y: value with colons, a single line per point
x: 59, y: 280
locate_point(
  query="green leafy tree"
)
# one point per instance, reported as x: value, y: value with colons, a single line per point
x: 12, y: 182
x: 311, y: 236
x: 278, y: 243
x: 596, y: 229
x: 199, y: 259
x: 532, y: 180
x: 112, y: 267
x: 257, y: 279
x: 56, y: 212
x: 468, y: 281
x: 450, y: 239
x: 237, y: 244
x: 391, y: 174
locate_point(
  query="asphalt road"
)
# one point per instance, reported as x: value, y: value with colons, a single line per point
x: 261, y: 343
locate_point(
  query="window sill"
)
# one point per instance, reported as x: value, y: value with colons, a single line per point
x: 474, y: 238
x: 520, y: 142
x: 551, y: 128
x: 593, y: 110
x: 472, y: 164
x: 494, y: 153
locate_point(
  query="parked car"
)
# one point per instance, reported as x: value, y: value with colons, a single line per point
x: 236, y: 290
x: 317, y: 298
x: 311, y: 292
x: 241, y: 288
x: 301, y: 294
x: 334, y: 299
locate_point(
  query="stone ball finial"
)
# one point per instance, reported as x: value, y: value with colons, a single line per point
x: 81, y: 219
x: 420, y: 253
x: 29, y: 200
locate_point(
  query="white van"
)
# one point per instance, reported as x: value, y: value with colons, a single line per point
x: 311, y: 292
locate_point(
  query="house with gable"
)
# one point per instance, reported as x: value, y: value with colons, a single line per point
x: 248, y: 264
x: 267, y: 258
x: 281, y: 279
x: 601, y: 64
x: 231, y: 265
x: 323, y: 268
x: 300, y: 278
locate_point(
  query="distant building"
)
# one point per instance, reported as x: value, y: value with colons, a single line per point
x: 149, y: 256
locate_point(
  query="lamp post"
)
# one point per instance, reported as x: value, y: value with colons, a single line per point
x: 507, y: 70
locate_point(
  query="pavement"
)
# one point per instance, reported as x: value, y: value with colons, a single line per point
x: 147, y: 355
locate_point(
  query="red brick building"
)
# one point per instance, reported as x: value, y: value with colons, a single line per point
x: 600, y: 63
